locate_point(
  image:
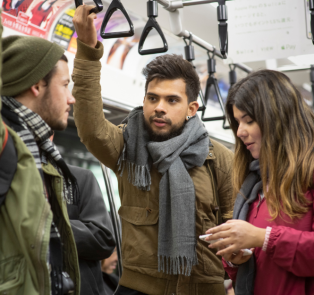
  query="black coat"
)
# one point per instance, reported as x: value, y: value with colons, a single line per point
x: 92, y: 231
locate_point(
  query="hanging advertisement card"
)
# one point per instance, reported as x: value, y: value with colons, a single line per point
x: 31, y: 17
x: 268, y: 29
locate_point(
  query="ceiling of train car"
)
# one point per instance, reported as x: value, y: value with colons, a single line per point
x: 202, y: 20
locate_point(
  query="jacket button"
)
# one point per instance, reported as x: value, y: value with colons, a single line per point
x: 210, y: 154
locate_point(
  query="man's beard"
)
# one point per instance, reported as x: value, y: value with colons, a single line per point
x: 174, y: 131
x: 46, y: 111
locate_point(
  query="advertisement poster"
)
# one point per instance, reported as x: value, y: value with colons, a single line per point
x: 268, y: 29
x: 31, y: 17
x: 64, y: 34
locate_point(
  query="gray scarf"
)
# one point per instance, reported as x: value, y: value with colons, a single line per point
x: 172, y: 158
x: 250, y: 188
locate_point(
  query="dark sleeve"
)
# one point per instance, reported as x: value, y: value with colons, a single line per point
x: 90, y: 222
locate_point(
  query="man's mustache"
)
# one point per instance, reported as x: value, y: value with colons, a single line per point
x: 160, y: 116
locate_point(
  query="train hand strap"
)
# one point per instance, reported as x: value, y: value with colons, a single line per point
x: 114, y: 6
x: 152, y: 13
x: 98, y: 3
x: 222, y: 16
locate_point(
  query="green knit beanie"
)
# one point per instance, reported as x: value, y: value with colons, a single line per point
x: 26, y: 60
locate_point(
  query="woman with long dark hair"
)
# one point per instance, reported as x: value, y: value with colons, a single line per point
x: 272, y: 187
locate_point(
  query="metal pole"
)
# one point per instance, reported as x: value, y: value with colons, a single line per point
x: 197, y: 2
x: 244, y: 68
x: 177, y: 29
x: 113, y: 214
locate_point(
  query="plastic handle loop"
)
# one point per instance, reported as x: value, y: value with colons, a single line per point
x: 212, y: 81
x: 98, y: 8
x: 152, y: 13
x: 114, y: 6
x: 152, y: 23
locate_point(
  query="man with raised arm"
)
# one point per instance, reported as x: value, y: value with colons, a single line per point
x: 170, y: 173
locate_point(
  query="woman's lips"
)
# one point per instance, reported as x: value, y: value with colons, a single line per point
x: 249, y: 146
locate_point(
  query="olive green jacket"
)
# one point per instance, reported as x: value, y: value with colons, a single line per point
x: 25, y: 221
x: 140, y: 209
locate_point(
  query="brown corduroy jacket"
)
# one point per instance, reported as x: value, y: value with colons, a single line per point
x: 139, y: 209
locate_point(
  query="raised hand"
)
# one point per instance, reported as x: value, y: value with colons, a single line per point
x: 84, y: 25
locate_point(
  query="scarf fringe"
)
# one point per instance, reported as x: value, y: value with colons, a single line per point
x: 176, y: 265
x: 138, y: 176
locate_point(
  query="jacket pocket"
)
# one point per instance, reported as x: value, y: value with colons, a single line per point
x: 212, y: 262
x: 12, y: 272
x: 139, y: 236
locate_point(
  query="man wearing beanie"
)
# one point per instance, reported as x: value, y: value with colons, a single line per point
x: 37, y: 244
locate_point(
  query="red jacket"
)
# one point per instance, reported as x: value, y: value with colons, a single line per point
x: 287, y: 265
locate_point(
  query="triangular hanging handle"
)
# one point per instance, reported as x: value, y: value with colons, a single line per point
x: 152, y: 13
x: 211, y: 81
x: 115, y: 5
x: 152, y: 23
x: 98, y: 8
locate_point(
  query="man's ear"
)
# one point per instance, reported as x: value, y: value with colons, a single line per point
x: 192, y: 109
x: 38, y: 88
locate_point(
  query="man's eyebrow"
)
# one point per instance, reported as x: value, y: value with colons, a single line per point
x: 151, y: 93
x: 168, y: 96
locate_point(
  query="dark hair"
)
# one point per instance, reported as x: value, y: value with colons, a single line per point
x: 286, y: 123
x: 172, y: 67
x: 49, y: 76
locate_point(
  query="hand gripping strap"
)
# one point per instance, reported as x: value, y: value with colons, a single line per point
x: 98, y: 8
x: 115, y: 5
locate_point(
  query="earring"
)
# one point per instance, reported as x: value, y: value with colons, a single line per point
x: 188, y: 117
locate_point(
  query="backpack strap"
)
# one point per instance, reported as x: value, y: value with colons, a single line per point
x: 212, y: 172
x: 8, y: 164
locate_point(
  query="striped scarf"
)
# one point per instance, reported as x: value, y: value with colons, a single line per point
x: 35, y: 133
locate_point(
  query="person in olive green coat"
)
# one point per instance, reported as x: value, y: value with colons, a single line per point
x: 37, y: 247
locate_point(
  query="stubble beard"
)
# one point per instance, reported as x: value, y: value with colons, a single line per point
x: 174, y: 131
x: 47, y: 114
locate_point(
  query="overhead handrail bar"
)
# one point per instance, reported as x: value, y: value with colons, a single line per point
x: 190, y: 56
x: 113, y: 215
x: 212, y: 81
x: 176, y: 24
x: 243, y: 67
x: 222, y: 18
x: 114, y: 6
x: 152, y: 13
x: 99, y: 7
